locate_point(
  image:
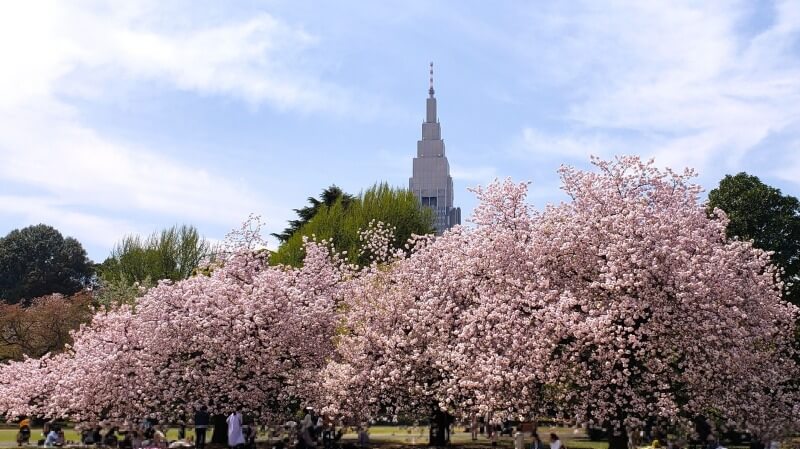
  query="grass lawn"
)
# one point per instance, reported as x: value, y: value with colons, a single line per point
x: 406, y: 436
x: 382, y: 435
x: 9, y: 436
x: 413, y: 436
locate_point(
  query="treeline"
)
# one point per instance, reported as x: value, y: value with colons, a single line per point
x: 48, y: 285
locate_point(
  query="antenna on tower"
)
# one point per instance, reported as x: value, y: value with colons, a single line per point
x: 430, y: 91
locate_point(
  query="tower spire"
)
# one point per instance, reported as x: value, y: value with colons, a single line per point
x: 430, y: 91
x: 430, y: 180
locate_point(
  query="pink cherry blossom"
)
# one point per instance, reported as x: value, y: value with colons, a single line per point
x: 248, y: 336
x: 622, y: 307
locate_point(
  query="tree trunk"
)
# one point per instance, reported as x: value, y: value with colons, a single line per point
x: 220, y: 435
x: 440, y: 429
x: 617, y: 440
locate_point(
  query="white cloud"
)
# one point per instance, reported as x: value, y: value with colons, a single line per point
x: 257, y: 59
x: 679, y: 81
x: 52, y: 51
x: 481, y: 174
x: 576, y: 146
x: 56, y: 154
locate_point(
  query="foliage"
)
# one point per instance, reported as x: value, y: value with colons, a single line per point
x: 764, y: 215
x: 171, y: 254
x: 42, y: 327
x: 248, y: 336
x: 37, y: 261
x: 327, y: 198
x: 623, y: 307
x: 121, y: 291
x: 341, y: 223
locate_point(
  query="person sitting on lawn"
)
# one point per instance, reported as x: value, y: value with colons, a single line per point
x: 555, y: 442
x: 159, y: 439
x: 87, y: 437
x: 148, y: 435
x: 110, y: 439
x: 127, y: 442
x: 52, y: 437
x: 24, y: 434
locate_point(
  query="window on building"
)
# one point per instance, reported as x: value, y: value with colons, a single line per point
x: 429, y: 201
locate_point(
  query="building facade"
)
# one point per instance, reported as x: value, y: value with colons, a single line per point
x: 431, y: 181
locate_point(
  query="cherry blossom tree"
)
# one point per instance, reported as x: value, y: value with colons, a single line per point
x: 447, y: 330
x: 623, y: 308
x: 660, y: 318
x: 248, y: 337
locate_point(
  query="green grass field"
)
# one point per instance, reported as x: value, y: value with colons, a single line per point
x: 414, y: 436
x: 394, y: 435
x: 9, y: 436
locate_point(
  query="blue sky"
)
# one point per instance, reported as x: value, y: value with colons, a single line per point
x: 127, y: 117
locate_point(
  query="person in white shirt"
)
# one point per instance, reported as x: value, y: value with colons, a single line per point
x: 235, y: 436
x: 555, y: 443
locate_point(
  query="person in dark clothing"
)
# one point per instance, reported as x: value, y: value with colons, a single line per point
x: 87, y: 437
x: 331, y: 438
x: 537, y: 442
x: 201, y: 421
x: 127, y: 441
x: 249, y: 431
x: 110, y: 439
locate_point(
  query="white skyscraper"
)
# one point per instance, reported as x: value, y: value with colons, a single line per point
x: 430, y: 180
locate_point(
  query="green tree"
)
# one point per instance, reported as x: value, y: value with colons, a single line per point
x: 328, y: 198
x: 764, y: 215
x: 37, y: 261
x: 342, y: 222
x: 173, y: 254
x: 120, y: 291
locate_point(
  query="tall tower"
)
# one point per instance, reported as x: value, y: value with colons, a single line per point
x: 430, y: 180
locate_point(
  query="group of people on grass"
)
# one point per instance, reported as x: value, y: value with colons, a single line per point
x: 309, y: 433
x: 536, y: 443
x: 146, y: 435
x: 52, y: 434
